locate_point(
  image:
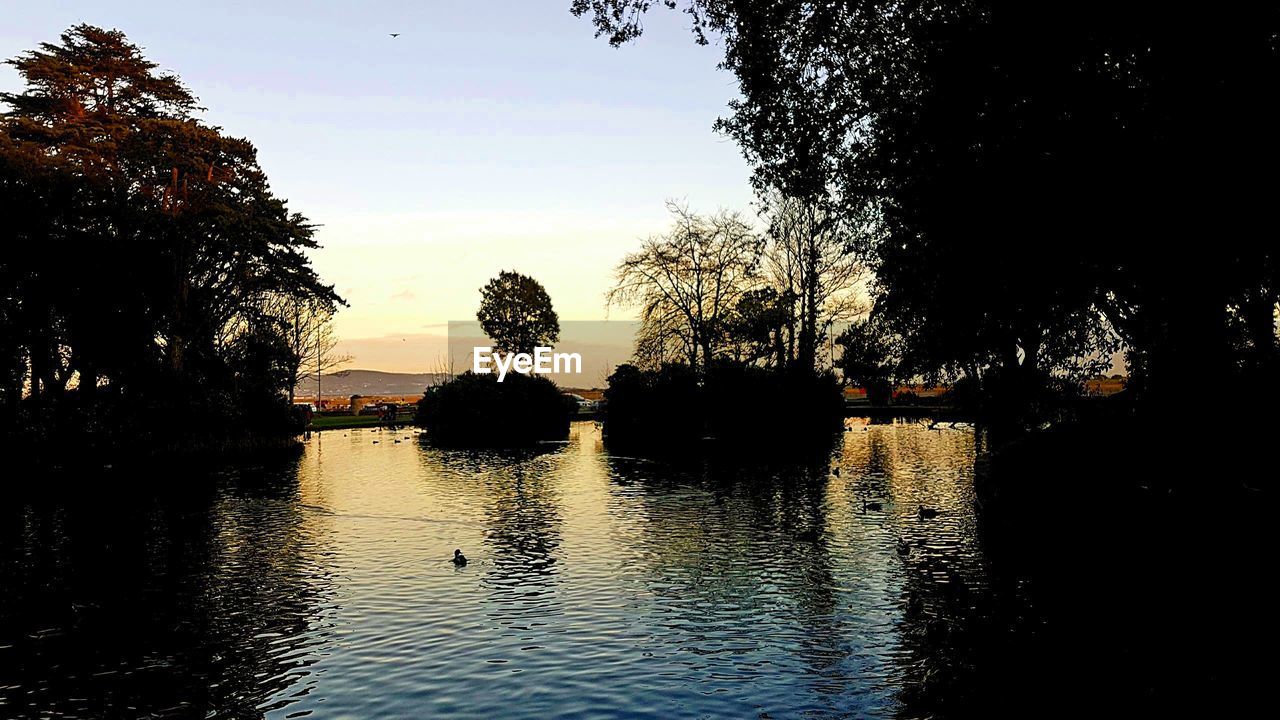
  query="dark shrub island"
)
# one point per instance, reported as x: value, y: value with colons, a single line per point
x: 478, y: 411
x: 675, y: 409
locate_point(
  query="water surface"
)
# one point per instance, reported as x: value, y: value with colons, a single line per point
x: 598, y: 586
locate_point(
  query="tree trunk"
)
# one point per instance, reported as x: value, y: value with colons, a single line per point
x: 809, y: 322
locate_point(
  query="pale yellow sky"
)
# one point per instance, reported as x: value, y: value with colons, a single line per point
x: 407, y: 275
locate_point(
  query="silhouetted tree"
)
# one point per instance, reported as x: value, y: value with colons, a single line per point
x: 760, y: 326
x: 810, y: 264
x: 516, y: 313
x: 478, y: 411
x: 869, y: 359
x: 1040, y: 183
x: 312, y: 342
x: 142, y: 242
x: 687, y: 284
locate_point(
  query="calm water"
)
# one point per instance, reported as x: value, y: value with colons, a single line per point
x: 599, y: 586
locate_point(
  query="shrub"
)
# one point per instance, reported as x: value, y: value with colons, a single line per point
x: 673, y: 408
x: 478, y: 411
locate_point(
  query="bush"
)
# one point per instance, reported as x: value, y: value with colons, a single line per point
x: 643, y: 406
x: 906, y: 397
x: 673, y: 408
x: 478, y: 411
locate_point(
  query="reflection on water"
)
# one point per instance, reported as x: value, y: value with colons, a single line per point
x: 598, y: 585
x: 128, y: 606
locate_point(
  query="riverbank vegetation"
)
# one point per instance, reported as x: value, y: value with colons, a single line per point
x: 509, y: 410
x: 1035, y: 192
x: 675, y: 410
x: 153, y: 284
x: 478, y: 411
x: 731, y: 324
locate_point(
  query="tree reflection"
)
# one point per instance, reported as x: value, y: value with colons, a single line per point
x: 194, y: 602
x: 754, y: 576
x: 521, y: 509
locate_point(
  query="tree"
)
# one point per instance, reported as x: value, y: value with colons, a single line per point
x: 869, y: 359
x: 687, y: 284
x: 1026, y: 173
x: 810, y: 264
x: 322, y: 355
x: 758, y: 328
x: 145, y: 244
x: 516, y: 313
x: 306, y: 326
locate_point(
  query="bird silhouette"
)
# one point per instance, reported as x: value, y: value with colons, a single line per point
x: 395, y: 35
x: 458, y: 558
x: 926, y: 513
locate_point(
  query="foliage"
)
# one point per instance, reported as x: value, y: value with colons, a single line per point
x: 143, y: 248
x: 1036, y: 188
x: 712, y: 287
x: 643, y: 403
x: 673, y: 409
x: 516, y: 313
x: 757, y: 329
x: 730, y: 321
x: 474, y: 410
x: 869, y: 359
x: 686, y: 284
x: 810, y: 265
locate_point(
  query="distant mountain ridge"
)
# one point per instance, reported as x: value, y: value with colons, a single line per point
x: 370, y: 382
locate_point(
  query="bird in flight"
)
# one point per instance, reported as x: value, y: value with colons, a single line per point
x: 395, y: 35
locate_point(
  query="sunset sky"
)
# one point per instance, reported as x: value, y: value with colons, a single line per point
x: 488, y: 136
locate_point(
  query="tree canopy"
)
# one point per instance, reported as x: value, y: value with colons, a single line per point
x: 687, y: 284
x: 1034, y: 185
x: 145, y: 248
x: 516, y: 313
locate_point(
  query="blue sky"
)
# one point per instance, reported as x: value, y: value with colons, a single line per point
x: 490, y: 135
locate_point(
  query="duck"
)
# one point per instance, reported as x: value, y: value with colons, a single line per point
x: 903, y: 548
x: 835, y: 471
x: 925, y: 513
x: 459, y: 559
x: 810, y: 535
x: 872, y: 505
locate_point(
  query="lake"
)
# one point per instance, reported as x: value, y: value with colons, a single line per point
x: 598, y: 586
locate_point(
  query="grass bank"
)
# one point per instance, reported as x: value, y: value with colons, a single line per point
x: 343, y: 422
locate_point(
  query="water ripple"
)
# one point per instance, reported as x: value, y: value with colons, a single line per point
x: 598, y: 586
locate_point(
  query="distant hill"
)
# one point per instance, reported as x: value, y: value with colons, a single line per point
x: 370, y: 382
